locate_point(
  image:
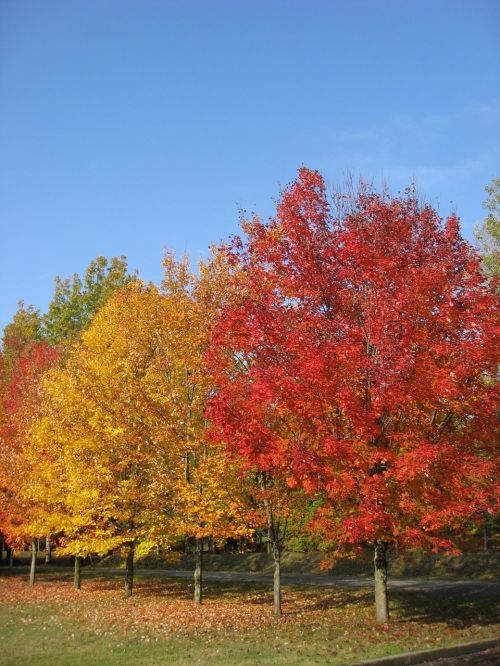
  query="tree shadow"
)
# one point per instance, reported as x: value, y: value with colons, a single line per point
x: 455, y: 608
x: 164, y: 589
x: 322, y: 599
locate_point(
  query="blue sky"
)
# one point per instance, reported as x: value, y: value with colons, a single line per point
x: 127, y: 126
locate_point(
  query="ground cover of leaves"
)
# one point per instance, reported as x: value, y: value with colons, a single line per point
x: 235, y: 624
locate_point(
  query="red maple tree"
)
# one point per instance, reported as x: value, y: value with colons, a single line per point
x: 359, y: 363
x: 18, y: 403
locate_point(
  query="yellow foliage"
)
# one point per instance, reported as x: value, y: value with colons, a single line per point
x: 119, y: 453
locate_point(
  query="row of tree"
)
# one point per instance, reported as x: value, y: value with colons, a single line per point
x: 334, y: 368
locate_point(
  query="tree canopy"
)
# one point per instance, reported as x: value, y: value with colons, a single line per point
x: 334, y: 367
x: 488, y: 233
x: 355, y: 361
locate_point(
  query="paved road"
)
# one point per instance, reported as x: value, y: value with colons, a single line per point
x: 317, y: 580
x: 448, y: 587
x: 487, y: 658
x: 324, y: 580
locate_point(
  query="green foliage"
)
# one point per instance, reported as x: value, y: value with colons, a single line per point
x: 299, y: 537
x: 76, y: 301
x: 488, y: 234
x: 24, y: 328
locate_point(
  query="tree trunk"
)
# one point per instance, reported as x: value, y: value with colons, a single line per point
x: 485, y: 534
x: 380, y: 561
x: 33, y: 562
x: 275, y: 535
x: 48, y: 549
x: 1, y: 550
x: 129, y: 573
x: 11, y: 556
x: 77, y: 580
x: 277, y: 579
x: 198, y: 571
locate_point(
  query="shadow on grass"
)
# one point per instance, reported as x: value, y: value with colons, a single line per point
x: 319, y: 600
x: 456, y: 610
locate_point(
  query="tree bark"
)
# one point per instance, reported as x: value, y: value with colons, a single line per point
x: 48, y: 550
x: 198, y: 571
x: 11, y: 556
x: 381, y: 604
x: 129, y: 573
x: 277, y: 578
x: 485, y: 534
x: 77, y: 579
x: 275, y: 539
x: 33, y: 562
x: 1, y: 550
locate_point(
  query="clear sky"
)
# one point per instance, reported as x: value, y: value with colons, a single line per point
x: 130, y: 125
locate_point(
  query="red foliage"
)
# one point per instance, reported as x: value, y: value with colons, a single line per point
x: 359, y: 360
x: 18, y: 401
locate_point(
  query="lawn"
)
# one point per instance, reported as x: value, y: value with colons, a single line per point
x: 53, y: 623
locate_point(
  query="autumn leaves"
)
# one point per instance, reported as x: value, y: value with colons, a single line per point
x: 337, y: 364
x: 364, y: 350
x: 119, y: 451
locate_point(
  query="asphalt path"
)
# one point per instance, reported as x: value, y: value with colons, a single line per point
x: 489, y: 589
x: 486, y: 588
x: 486, y: 658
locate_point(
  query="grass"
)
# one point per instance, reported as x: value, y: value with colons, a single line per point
x: 53, y: 623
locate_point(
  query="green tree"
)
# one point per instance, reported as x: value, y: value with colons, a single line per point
x: 24, y: 328
x: 76, y: 300
x: 488, y: 234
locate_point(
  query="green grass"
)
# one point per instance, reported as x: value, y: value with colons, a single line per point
x: 55, y: 625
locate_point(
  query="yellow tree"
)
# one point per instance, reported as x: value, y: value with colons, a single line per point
x: 209, y: 498
x: 102, y: 448
x: 121, y: 452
